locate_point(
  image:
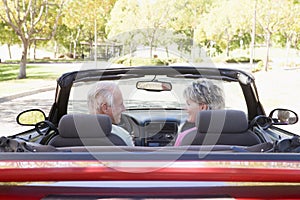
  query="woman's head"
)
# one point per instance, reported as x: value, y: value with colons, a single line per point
x: 203, y: 95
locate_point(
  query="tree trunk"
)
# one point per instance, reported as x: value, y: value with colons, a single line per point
x: 22, y: 71
x: 228, y: 42
x: 167, y: 51
x: 227, y: 48
x: 55, y: 49
x: 151, y: 43
x: 34, y: 50
x: 151, y: 49
x: 131, y: 49
x: 70, y: 48
x: 74, y: 50
x: 295, y: 43
x: 28, y: 52
x: 151, y: 46
x: 9, y: 51
x: 288, y: 46
x: 268, y: 51
x: 91, y: 50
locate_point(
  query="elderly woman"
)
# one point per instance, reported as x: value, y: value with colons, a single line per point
x: 200, y: 95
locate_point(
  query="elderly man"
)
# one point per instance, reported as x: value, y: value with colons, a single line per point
x: 106, y: 98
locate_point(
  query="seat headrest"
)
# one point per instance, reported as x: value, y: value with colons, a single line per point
x: 84, y: 126
x: 221, y: 121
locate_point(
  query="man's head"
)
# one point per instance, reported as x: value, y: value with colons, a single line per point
x: 106, y: 98
x: 283, y: 116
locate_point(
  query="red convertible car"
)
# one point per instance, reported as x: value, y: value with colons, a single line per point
x: 238, y: 152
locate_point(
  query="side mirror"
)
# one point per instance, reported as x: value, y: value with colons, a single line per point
x: 283, y: 116
x: 30, y: 117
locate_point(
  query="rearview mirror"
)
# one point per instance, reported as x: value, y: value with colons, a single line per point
x: 154, y: 86
x: 283, y: 116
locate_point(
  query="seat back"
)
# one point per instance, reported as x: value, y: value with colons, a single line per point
x: 85, y: 130
x: 221, y: 127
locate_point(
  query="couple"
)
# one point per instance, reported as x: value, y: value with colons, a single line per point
x: 106, y: 98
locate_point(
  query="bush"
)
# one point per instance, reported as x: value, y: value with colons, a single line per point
x: 241, y: 60
x: 138, y: 61
x: 258, y: 67
x: 142, y: 61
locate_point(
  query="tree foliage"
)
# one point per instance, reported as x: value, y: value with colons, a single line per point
x: 220, y: 25
x: 142, y: 22
x: 84, y: 18
x: 29, y: 19
x: 225, y: 21
x: 8, y: 36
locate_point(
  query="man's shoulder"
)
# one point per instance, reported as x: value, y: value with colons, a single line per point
x: 116, y: 128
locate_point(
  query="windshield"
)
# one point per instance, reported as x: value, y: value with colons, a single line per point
x: 135, y: 99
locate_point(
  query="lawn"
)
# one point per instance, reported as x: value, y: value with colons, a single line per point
x: 10, y: 72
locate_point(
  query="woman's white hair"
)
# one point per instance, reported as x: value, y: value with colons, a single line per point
x: 207, y: 92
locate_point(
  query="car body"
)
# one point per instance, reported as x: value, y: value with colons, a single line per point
x: 153, y: 168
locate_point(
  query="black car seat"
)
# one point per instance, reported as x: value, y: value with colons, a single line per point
x: 85, y: 130
x: 221, y: 127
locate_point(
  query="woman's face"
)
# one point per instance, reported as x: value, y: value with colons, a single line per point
x: 193, y: 108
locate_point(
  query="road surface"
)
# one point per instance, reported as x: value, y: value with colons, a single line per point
x: 11, y: 109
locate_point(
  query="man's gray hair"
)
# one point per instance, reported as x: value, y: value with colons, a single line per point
x: 101, y: 92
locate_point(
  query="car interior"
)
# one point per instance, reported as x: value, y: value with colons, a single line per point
x: 214, y: 127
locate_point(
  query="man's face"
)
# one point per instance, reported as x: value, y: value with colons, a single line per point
x: 117, y: 107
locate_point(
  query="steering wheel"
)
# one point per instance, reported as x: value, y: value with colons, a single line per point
x: 262, y: 122
x: 45, y: 127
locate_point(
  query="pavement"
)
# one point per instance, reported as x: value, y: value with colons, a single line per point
x: 28, y: 88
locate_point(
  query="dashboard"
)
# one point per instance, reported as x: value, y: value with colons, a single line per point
x: 153, y: 128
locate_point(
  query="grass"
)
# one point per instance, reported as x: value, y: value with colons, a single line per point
x: 11, y: 71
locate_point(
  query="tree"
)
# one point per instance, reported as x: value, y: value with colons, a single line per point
x: 155, y: 17
x: 270, y: 19
x: 224, y: 22
x: 86, y: 19
x: 8, y: 37
x: 291, y: 26
x: 28, y: 18
x: 186, y: 16
x: 123, y: 24
x: 140, y: 21
x: 61, y: 39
